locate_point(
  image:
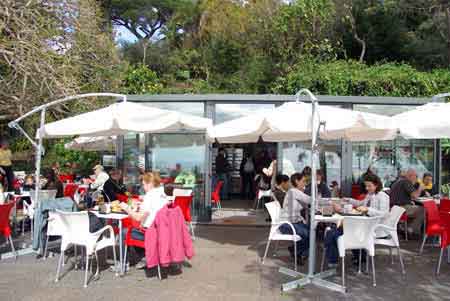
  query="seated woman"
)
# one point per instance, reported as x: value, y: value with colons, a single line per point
x: 154, y: 199
x: 376, y: 203
x: 427, y: 183
x: 293, y: 204
x: 53, y: 183
x: 28, y: 183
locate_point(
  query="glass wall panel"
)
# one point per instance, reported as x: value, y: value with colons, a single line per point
x: 132, y: 161
x: 380, y: 156
x: 388, y: 158
x: 296, y: 156
x: 180, y: 159
x: 225, y: 112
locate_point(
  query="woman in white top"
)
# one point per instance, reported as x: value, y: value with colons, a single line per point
x: 292, y: 206
x: 145, y: 212
x: 376, y: 203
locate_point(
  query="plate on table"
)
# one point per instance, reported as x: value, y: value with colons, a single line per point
x: 353, y: 213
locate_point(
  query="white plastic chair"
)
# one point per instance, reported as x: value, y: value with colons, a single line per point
x: 181, y: 192
x: 386, y: 233
x: 359, y: 233
x: 54, y: 228
x: 274, y: 209
x: 261, y: 195
x: 75, y: 229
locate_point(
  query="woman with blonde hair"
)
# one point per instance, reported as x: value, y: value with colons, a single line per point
x: 153, y: 200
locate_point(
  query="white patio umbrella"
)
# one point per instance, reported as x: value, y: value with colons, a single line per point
x: 429, y: 121
x: 292, y: 122
x: 301, y: 121
x: 121, y: 118
x: 95, y: 144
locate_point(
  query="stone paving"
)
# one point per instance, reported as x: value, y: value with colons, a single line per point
x: 226, y: 267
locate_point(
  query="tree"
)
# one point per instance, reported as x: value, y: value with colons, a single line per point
x: 145, y: 19
x: 51, y: 49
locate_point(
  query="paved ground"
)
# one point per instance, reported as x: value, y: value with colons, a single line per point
x: 226, y: 267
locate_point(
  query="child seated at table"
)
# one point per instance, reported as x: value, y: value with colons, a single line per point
x: 376, y: 203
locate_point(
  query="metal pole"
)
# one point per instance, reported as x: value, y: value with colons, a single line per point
x: 312, y: 232
x: 39, y: 151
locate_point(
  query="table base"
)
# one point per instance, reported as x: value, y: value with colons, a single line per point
x: 316, y: 279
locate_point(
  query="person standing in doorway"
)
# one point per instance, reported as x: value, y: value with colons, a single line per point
x: 222, y: 168
x: 247, y: 171
x: 6, y: 164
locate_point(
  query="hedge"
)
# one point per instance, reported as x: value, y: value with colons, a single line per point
x: 341, y: 77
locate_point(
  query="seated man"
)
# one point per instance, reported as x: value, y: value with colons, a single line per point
x: 100, y: 178
x: 145, y: 213
x: 403, y: 193
x: 322, y: 188
x: 112, y: 186
x: 293, y: 204
x: 281, y: 188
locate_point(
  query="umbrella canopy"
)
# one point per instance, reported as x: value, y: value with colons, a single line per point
x: 92, y: 144
x: 429, y: 121
x: 121, y: 118
x: 292, y: 122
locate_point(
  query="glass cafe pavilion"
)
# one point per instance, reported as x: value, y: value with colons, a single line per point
x: 188, y: 155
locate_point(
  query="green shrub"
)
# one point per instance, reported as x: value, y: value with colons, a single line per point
x: 340, y: 77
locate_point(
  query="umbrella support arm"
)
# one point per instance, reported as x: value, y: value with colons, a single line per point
x: 38, y: 146
x: 311, y: 277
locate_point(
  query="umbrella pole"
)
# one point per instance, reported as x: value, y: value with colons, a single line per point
x: 312, y: 278
x: 39, y: 152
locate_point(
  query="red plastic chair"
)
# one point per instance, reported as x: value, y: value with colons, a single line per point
x: 434, y: 225
x: 355, y: 191
x: 5, y: 230
x: 70, y: 190
x: 360, y: 197
x: 215, y: 195
x: 184, y: 202
x: 444, y: 205
x: 404, y: 220
x: 445, y: 237
x: 130, y: 242
x: 66, y: 178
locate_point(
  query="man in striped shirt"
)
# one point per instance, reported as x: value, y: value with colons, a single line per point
x: 403, y: 193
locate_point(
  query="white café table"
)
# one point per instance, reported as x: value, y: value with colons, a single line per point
x: 118, y: 217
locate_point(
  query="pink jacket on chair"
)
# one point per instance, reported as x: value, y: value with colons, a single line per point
x: 167, y: 240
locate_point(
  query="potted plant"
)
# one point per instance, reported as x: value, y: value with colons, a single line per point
x: 445, y: 190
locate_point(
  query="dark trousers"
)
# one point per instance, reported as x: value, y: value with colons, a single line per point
x: 248, y: 187
x: 330, y: 241
x: 136, y: 235
x: 331, y: 248
x: 302, y: 230
x: 9, y: 177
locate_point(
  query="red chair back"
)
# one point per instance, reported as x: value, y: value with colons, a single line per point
x: 215, y: 195
x: 432, y: 212
x: 184, y: 202
x: 129, y: 241
x: 66, y: 178
x: 360, y: 197
x: 5, y: 211
x: 355, y: 191
x: 444, y: 205
x: 70, y: 189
